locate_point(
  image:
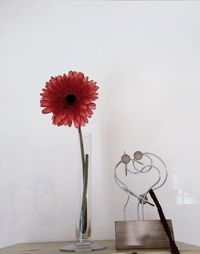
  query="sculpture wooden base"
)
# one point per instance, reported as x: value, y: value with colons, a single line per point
x: 146, y: 234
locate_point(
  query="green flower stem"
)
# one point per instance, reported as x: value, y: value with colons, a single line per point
x: 85, y: 179
x: 85, y: 159
x: 82, y: 148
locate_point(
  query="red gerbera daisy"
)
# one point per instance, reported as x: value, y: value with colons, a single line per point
x: 70, y: 98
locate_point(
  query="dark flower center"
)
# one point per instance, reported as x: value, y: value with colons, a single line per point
x: 70, y: 99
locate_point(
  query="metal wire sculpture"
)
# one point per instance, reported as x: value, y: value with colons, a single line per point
x: 141, y: 163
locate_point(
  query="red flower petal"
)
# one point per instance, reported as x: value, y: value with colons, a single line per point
x: 47, y: 110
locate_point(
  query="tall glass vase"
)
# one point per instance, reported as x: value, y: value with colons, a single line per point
x: 83, y: 225
x: 83, y: 210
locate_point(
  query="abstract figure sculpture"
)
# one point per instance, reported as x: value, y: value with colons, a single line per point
x: 142, y: 233
x: 141, y: 163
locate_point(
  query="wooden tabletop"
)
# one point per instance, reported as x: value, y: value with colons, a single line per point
x: 53, y: 248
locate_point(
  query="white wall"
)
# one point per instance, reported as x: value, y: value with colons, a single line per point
x: 146, y: 59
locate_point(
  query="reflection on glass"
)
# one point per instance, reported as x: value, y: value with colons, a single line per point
x: 183, y: 197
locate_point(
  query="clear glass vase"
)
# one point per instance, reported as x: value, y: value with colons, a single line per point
x: 84, y: 205
x: 83, y: 210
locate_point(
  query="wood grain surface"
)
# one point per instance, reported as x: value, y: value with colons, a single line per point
x: 53, y: 248
x: 144, y: 234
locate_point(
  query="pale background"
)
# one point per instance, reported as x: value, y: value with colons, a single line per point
x: 145, y: 57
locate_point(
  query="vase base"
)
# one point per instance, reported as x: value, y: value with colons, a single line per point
x: 85, y: 246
